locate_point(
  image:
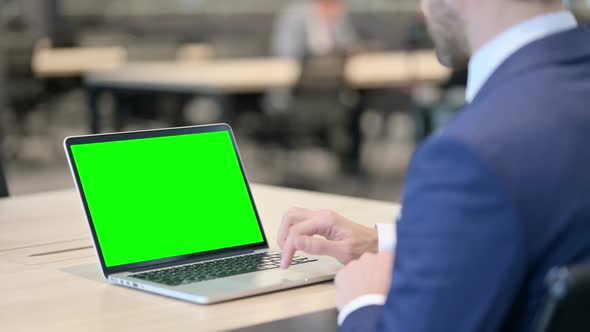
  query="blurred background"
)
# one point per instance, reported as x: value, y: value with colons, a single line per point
x: 325, y: 95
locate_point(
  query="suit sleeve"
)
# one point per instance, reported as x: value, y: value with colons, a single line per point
x: 459, y: 255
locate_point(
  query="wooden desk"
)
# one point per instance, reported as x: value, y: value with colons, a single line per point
x: 378, y: 70
x: 45, y: 288
x: 220, y: 78
x: 215, y: 79
x: 76, y: 61
x: 227, y: 76
x: 260, y: 74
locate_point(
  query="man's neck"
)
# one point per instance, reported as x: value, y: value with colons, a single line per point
x: 499, y: 18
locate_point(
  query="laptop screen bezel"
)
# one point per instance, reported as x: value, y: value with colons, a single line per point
x: 101, y: 138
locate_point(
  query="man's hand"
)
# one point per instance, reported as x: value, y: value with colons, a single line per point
x: 369, y: 275
x: 338, y: 236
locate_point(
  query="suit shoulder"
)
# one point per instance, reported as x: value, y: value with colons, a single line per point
x: 525, y: 114
x: 530, y: 129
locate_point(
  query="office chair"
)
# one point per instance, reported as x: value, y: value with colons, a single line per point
x: 23, y: 90
x: 3, y: 184
x: 318, y: 114
x: 567, y: 301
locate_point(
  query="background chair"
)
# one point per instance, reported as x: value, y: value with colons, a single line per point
x: 317, y: 114
x: 3, y: 185
x: 23, y: 91
x: 568, y: 300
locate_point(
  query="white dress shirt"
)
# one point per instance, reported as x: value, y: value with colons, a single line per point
x: 489, y: 57
x: 481, y: 67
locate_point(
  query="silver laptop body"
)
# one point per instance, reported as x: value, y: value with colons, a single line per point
x: 91, y: 161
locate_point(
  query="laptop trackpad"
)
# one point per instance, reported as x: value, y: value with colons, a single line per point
x: 272, y: 278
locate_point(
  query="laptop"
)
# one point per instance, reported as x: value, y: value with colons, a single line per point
x: 171, y: 212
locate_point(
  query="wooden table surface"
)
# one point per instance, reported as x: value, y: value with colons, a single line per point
x: 385, y: 69
x: 76, y: 61
x: 373, y: 70
x: 46, y: 286
x: 232, y: 75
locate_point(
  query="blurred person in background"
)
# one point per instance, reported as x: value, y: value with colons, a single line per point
x: 307, y: 30
x: 314, y: 28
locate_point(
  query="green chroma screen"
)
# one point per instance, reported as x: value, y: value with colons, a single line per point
x: 161, y: 197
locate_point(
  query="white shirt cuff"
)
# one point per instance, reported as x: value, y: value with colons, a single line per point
x: 386, y: 234
x: 359, y: 302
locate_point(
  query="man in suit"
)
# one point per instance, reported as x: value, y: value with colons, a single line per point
x: 493, y: 201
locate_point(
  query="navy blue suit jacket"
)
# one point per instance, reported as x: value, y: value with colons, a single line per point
x: 495, y: 200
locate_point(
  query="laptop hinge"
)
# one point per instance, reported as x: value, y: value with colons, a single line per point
x: 194, y: 260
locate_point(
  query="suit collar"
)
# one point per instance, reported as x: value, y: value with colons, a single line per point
x: 560, y: 47
x: 491, y: 55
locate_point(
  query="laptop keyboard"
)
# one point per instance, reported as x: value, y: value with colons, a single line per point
x: 226, y: 267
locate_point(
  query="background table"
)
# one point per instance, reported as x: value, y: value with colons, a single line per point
x: 229, y: 76
x: 219, y: 80
x: 260, y: 74
x: 233, y: 82
x: 390, y: 69
x: 50, y: 279
x: 76, y: 61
